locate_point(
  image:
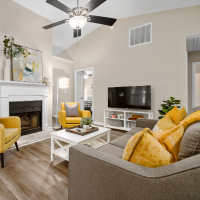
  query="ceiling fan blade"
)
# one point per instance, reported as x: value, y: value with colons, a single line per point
x: 93, y: 4
x: 77, y: 33
x: 102, y: 20
x: 54, y: 24
x: 59, y: 5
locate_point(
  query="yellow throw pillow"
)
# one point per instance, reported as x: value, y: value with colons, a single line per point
x: 177, y: 115
x: 144, y: 149
x: 171, y: 140
x: 164, y: 124
x: 191, y: 119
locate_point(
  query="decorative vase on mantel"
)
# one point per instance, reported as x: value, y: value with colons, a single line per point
x: 7, y: 70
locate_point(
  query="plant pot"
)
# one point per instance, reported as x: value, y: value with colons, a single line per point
x: 7, y: 70
x: 85, y: 127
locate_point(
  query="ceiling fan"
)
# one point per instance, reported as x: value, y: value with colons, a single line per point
x: 78, y: 16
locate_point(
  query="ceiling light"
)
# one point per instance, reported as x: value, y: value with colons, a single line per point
x: 85, y: 76
x: 78, y: 22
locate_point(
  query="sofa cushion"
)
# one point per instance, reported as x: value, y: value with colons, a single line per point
x: 72, y: 110
x: 121, y: 141
x: 193, y: 110
x: 10, y: 133
x: 112, y: 150
x: 146, y: 123
x: 144, y: 149
x: 190, y: 143
x: 73, y: 120
x: 135, y: 130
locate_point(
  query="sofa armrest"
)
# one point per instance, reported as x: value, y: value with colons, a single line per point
x: 11, y: 122
x: 146, y: 123
x: 85, y: 113
x: 96, y: 174
x: 62, y: 117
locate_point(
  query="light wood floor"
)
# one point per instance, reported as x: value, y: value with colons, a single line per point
x: 29, y: 174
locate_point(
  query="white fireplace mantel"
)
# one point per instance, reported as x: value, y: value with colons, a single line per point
x: 11, y: 91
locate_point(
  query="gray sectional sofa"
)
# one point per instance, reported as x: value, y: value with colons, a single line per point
x: 103, y: 175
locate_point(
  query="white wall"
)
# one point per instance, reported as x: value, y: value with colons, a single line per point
x: 26, y: 27
x: 192, y: 57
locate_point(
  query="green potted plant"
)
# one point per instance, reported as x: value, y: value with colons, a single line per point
x: 167, y: 106
x: 86, y: 122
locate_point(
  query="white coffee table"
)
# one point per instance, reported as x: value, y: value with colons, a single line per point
x: 74, y: 139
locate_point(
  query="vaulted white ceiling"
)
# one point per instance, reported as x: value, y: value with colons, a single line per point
x: 63, y: 34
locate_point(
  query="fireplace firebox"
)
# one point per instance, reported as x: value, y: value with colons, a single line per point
x: 30, y: 114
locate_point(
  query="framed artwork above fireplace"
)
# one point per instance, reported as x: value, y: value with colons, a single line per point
x: 27, y: 67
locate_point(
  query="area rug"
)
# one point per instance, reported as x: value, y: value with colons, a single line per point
x: 43, y: 135
x: 32, y: 138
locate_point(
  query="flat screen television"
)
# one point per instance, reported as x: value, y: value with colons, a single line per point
x: 132, y: 97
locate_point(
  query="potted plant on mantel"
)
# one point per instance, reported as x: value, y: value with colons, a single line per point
x: 86, y: 122
x: 9, y: 54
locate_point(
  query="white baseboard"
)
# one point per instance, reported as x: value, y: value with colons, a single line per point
x: 99, y: 123
x: 50, y: 127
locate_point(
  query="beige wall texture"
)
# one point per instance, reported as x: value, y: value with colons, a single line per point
x: 62, y: 69
x: 192, y: 57
x: 161, y: 64
x: 65, y: 55
x: 26, y: 27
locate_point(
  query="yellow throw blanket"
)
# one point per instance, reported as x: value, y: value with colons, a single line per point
x: 170, y: 140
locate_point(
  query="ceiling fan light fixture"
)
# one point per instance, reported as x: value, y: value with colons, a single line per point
x: 78, y: 22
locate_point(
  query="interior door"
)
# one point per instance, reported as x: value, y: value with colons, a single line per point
x: 80, y: 89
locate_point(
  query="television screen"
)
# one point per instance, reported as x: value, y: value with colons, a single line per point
x: 133, y: 97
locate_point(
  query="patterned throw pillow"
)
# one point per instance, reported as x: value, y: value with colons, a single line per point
x: 164, y: 124
x: 144, y: 149
x: 177, y: 115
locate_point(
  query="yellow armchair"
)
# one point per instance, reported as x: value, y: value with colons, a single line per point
x: 10, y: 132
x: 67, y: 122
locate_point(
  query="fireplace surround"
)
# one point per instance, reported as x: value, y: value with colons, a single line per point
x: 23, y: 94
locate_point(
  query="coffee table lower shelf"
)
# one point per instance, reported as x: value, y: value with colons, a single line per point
x: 73, y: 139
x: 63, y: 153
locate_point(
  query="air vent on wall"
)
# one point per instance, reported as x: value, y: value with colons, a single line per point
x: 140, y: 35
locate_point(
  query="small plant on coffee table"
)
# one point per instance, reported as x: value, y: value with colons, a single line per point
x: 86, y: 121
x: 167, y: 106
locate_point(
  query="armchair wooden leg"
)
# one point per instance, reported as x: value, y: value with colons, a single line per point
x: 61, y: 127
x: 16, y: 146
x: 2, y: 160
